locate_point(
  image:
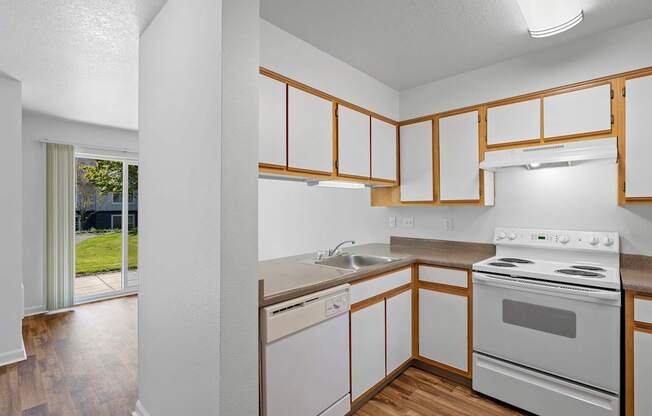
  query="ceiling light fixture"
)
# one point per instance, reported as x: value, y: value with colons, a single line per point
x: 550, y: 17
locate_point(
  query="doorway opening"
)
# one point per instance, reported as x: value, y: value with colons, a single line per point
x: 106, y: 228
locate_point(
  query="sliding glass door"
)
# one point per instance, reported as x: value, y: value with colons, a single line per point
x: 106, y: 228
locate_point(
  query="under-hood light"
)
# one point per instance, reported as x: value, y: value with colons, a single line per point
x: 550, y: 17
x: 337, y: 184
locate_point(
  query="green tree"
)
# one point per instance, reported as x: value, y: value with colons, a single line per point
x: 106, y: 176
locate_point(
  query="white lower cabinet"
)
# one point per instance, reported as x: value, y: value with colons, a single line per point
x: 443, y: 334
x: 367, y: 348
x: 399, y: 330
x: 642, y: 373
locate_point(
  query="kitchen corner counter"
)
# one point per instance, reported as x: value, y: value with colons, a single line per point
x: 636, y: 273
x: 291, y: 277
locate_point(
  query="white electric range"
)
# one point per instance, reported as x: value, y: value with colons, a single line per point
x: 547, y: 322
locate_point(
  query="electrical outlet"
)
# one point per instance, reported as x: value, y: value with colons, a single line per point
x: 449, y: 225
x: 392, y: 222
x: 408, y: 222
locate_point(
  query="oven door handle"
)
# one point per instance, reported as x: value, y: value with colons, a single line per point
x: 547, y: 287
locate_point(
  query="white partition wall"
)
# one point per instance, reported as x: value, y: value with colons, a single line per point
x: 11, y: 277
x: 198, y: 297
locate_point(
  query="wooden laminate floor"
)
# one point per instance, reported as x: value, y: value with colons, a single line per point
x: 84, y: 363
x: 79, y: 363
x: 418, y: 393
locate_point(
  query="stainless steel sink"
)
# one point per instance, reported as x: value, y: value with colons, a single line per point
x: 354, y: 261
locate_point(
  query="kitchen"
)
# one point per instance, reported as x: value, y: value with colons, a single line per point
x: 362, y: 208
x: 514, y: 199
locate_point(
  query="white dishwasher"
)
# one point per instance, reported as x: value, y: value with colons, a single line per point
x: 305, y: 355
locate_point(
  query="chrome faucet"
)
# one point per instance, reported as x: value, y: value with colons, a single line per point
x: 334, y: 251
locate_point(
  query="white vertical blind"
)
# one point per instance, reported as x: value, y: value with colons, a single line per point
x: 60, y: 225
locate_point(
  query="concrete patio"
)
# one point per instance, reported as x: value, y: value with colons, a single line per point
x: 102, y: 283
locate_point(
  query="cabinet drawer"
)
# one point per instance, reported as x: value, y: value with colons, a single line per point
x: 643, y: 310
x: 443, y: 276
x: 376, y: 286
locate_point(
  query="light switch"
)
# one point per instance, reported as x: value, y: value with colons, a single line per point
x: 408, y: 222
x: 449, y: 225
x: 392, y: 222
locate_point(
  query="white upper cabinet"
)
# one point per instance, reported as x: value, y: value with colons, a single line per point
x: 577, y: 112
x: 416, y: 162
x: 515, y: 122
x: 459, y: 157
x: 310, y: 132
x: 638, y: 137
x: 353, y: 142
x: 271, y: 121
x: 383, y: 150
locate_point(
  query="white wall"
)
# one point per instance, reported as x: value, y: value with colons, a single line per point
x: 198, y: 174
x: 582, y: 197
x: 38, y: 127
x: 11, y: 296
x: 295, y: 58
x: 294, y: 218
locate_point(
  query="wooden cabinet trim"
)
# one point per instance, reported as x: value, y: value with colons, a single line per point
x: 437, y: 155
x: 445, y: 367
x: 434, y: 162
x: 440, y: 287
x: 621, y: 118
x: 376, y: 276
x: 380, y: 298
x: 322, y: 94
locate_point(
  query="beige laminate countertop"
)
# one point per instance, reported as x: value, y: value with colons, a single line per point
x: 291, y: 277
x: 636, y: 273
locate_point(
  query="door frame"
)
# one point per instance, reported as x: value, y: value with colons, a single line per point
x: 126, y: 160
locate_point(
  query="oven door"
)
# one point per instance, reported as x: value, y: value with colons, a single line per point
x: 568, y: 331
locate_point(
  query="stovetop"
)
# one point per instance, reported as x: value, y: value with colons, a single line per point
x: 571, y: 257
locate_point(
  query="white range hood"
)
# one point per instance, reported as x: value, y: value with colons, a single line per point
x: 557, y: 154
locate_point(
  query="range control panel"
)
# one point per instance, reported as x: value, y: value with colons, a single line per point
x: 563, y: 239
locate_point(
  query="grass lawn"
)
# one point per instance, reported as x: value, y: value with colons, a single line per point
x: 103, y: 253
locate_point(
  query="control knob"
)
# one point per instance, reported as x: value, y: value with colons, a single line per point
x: 608, y: 241
x: 564, y: 239
x: 512, y: 236
x: 501, y: 235
x: 594, y: 240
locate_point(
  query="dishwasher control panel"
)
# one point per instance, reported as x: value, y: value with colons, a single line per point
x: 337, y: 304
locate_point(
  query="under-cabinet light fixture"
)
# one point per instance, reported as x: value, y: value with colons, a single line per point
x: 337, y: 184
x: 550, y: 17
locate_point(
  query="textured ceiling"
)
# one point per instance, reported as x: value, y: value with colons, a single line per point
x: 405, y: 43
x: 77, y: 59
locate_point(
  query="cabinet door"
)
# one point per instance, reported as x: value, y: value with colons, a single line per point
x: 443, y: 335
x: 642, y: 373
x: 416, y: 162
x: 515, y: 122
x: 353, y: 143
x: 399, y: 330
x: 310, y: 132
x: 638, y: 137
x: 459, y: 157
x: 383, y: 150
x: 577, y: 112
x: 367, y: 348
x: 271, y: 121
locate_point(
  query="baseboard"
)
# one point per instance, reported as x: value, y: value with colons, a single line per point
x: 34, y: 310
x: 140, y: 410
x: 12, y: 357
